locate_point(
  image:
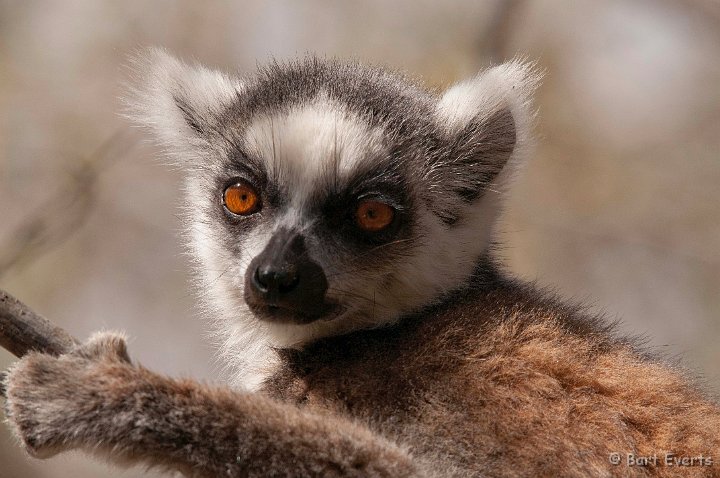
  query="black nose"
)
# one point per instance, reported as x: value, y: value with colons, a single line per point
x: 283, y: 284
x: 273, y: 281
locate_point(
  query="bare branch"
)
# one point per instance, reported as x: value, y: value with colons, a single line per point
x: 22, y: 330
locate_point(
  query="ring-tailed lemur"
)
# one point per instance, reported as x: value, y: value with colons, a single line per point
x: 341, y: 219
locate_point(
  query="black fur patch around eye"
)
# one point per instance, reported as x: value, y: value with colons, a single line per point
x: 378, y: 180
x: 252, y: 168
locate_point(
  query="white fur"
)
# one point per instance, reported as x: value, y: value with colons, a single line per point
x: 159, y: 78
x: 511, y: 85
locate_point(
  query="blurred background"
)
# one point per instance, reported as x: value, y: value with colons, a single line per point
x: 619, y: 208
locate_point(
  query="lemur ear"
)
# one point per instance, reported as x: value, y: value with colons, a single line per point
x: 181, y: 104
x: 486, y: 124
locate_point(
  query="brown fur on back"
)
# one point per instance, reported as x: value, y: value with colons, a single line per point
x: 508, y: 382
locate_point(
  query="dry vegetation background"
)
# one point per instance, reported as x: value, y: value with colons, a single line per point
x: 620, y: 207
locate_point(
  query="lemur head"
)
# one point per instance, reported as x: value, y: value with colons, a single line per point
x: 326, y: 196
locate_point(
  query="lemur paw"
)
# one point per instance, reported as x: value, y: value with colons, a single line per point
x: 52, y: 401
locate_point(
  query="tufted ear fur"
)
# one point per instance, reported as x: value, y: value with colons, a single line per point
x: 486, y: 125
x: 181, y: 104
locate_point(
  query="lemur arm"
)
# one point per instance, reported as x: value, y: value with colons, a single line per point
x: 95, y: 399
x: 92, y: 397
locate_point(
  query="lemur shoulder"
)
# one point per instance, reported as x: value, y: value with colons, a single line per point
x: 341, y: 218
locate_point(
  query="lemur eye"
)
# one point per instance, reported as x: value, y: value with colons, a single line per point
x: 241, y: 199
x: 374, y: 216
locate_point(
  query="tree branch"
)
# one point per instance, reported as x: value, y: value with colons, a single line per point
x: 22, y: 331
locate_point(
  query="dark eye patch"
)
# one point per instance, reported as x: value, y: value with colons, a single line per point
x: 337, y: 212
x: 241, y: 163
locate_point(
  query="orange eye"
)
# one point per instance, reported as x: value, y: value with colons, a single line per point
x: 374, y: 216
x: 241, y: 199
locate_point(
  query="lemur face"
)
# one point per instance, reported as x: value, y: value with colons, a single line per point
x: 334, y: 211
x: 327, y: 196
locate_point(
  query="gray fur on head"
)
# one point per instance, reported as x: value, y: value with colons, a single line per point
x: 315, y: 134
